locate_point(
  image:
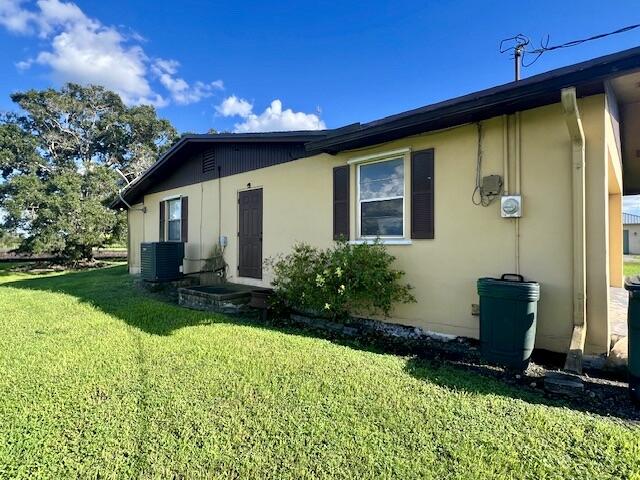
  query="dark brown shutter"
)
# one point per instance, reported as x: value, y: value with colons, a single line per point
x: 184, y: 216
x: 161, y: 235
x: 341, y: 202
x: 422, y: 193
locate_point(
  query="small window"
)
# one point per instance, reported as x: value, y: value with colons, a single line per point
x: 174, y: 219
x: 381, y: 198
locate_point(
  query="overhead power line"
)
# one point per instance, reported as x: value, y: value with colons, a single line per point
x: 519, y: 45
x: 572, y: 43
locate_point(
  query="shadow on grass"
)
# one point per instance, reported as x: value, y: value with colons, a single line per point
x: 609, y: 400
x: 11, y: 268
x: 600, y: 396
x: 112, y: 291
x: 115, y: 293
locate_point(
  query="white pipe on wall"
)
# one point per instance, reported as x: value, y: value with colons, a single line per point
x: 517, y: 153
x: 574, y: 124
x: 201, y: 263
x: 505, y: 154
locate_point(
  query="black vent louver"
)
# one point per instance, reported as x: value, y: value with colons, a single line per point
x: 209, y: 161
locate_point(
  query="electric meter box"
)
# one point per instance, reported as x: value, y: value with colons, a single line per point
x: 491, y: 185
x: 511, y: 206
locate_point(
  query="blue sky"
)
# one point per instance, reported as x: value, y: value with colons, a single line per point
x: 275, y: 65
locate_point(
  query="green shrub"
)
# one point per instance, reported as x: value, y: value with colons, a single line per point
x: 344, y: 279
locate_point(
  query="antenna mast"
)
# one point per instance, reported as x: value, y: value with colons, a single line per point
x: 517, y: 45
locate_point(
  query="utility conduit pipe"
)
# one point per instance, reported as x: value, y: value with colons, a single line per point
x: 517, y: 154
x: 505, y: 154
x: 573, y: 362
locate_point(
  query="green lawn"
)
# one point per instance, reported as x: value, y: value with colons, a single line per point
x: 98, y: 380
x: 632, y: 268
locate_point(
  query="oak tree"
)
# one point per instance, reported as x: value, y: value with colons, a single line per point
x: 62, y: 158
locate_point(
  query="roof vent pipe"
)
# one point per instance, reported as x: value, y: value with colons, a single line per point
x: 573, y: 362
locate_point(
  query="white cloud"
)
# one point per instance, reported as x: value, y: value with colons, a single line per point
x: 181, y: 92
x: 54, y: 13
x: 631, y: 204
x: 88, y: 53
x: 24, y: 64
x: 273, y: 119
x: 14, y: 18
x: 233, y: 106
x: 83, y: 50
x: 162, y: 65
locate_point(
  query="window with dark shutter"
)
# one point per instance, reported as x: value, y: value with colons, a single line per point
x: 173, y: 211
x: 341, y: 202
x: 162, y: 216
x: 184, y: 216
x: 174, y: 220
x: 422, y: 194
x: 381, y: 198
x: 209, y: 161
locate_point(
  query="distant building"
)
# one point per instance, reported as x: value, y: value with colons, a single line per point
x: 631, y: 234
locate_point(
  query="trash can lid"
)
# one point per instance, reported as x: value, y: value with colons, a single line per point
x: 632, y: 283
x: 505, y: 287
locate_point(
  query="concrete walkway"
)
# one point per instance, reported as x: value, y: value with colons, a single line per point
x: 618, y: 301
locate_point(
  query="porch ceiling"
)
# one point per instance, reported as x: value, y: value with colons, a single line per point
x: 627, y: 91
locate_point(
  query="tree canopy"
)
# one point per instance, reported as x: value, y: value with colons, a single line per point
x: 59, y: 161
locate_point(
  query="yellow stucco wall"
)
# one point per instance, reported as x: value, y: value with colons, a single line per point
x: 470, y: 241
x: 136, y: 237
x: 616, y: 259
x: 614, y: 186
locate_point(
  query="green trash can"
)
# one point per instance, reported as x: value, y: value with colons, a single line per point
x: 632, y: 284
x: 508, y: 310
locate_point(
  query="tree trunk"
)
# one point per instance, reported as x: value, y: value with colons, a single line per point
x: 87, y: 253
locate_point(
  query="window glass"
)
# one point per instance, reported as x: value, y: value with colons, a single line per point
x: 382, y: 179
x: 173, y: 231
x: 174, y: 220
x: 174, y: 209
x: 381, y: 198
x: 381, y: 218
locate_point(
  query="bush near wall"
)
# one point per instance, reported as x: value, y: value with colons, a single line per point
x: 339, y: 281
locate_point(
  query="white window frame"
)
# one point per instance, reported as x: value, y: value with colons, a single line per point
x: 395, y: 155
x: 167, y: 219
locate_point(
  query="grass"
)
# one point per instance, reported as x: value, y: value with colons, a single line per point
x: 98, y: 380
x: 632, y: 267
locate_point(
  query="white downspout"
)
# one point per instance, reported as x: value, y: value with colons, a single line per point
x: 573, y: 362
x: 142, y: 209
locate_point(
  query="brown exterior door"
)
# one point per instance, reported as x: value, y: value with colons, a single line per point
x: 250, y: 233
